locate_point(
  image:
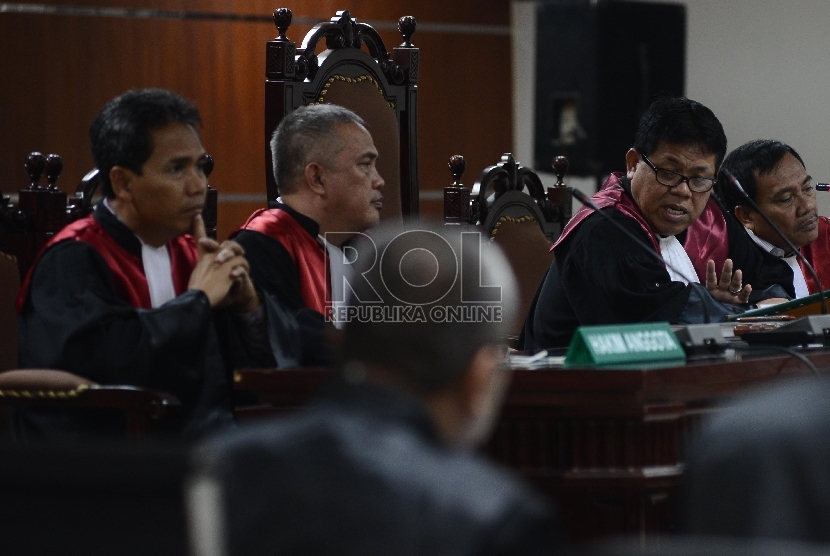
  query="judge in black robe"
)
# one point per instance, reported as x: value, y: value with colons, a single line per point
x: 72, y: 318
x: 330, y: 190
x: 599, y: 275
x: 125, y: 296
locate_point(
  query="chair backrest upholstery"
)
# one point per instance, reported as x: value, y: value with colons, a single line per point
x: 510, y: 204
x: 380, y: 88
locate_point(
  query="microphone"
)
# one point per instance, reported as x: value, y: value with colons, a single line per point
x: 585, y: 200
x: 823, y: 187
x: 732, y: 180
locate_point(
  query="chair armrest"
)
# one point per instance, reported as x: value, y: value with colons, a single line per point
x: 47, y: 388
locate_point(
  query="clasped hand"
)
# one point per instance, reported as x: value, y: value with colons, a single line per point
x: 222, y: 272
x: 729, y: 288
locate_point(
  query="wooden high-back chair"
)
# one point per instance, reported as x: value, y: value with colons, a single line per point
x: 510, y: 205
x: 379, y: 87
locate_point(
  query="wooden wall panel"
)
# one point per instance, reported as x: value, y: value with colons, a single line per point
x: 58, y: 70
x: 480, y: 12
x: 465, y: 108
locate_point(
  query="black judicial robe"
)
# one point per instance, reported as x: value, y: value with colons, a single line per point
x: 601, y: 276
x: 72, y: 318
x: 285, y: 282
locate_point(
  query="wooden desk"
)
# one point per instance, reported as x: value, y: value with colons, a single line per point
x: 607, y: 444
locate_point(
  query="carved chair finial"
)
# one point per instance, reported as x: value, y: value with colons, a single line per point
x: 560, y: 168
x: 456, y: 196
x: 54, y: 167
x: 406, y: 25
x: 559, y: 203
x: 35, y: 163
x: 282, y: 19
x: 457, y: 165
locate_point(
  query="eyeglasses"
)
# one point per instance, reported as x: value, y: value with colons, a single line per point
x: 673, y: 179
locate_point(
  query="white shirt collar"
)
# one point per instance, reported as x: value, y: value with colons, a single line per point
x: 799, y: 282
x: 768, y: 247
x: 677, y: 258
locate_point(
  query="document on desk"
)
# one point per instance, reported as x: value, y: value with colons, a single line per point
x: 541, y: 360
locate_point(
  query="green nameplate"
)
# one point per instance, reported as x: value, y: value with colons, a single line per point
x: 623, y: 343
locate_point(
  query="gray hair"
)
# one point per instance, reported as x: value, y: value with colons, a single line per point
x: 428, y: 355
x: 308, y: 134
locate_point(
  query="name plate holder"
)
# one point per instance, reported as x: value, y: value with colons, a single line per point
x: 623, y: 344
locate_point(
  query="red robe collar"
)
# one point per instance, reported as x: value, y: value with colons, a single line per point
x: 706, y: 238
x: 818, y: 253
x: 305, y: 250
x: 126, y: 267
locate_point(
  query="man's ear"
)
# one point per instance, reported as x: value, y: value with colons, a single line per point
x: 481, y: 391
x: 314, y: 175
x: 632, y: 158
x: 477, y: 382
x: 120, y: 178
x: 745, y: 216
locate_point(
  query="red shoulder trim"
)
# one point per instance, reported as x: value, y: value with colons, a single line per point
x: 611, y: 194
x: 127, y: 269
x: 707, y: 238
x: 308, y: 254
x: 818, y: 253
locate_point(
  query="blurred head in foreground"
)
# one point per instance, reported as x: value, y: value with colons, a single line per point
x: 427, y: 312
x: 372, y: 467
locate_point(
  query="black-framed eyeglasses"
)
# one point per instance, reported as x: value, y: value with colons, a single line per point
x: 673, y: 179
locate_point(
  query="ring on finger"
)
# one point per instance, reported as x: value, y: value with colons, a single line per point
x: 735, y: 292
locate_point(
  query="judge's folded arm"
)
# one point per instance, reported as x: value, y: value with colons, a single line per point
x: 73, y: 302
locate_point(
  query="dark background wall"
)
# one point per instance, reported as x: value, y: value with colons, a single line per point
x: 60, y: 65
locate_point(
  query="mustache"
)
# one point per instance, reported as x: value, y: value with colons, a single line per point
x: 807, y: 220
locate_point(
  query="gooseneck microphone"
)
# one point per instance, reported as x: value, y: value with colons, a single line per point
x: 585, y: 200
x: 733, y: 181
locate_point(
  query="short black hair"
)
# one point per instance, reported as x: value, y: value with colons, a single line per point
x: 747, y: 163
x: 680, y: 121
x: 121, y: 134
x: 308, y: 134
x: 431, y: 355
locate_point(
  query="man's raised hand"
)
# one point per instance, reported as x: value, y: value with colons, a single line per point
x: 729, y: 288
x: 222, y: 271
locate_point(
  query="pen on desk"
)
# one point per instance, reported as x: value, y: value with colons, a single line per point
x: 823, y: 187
